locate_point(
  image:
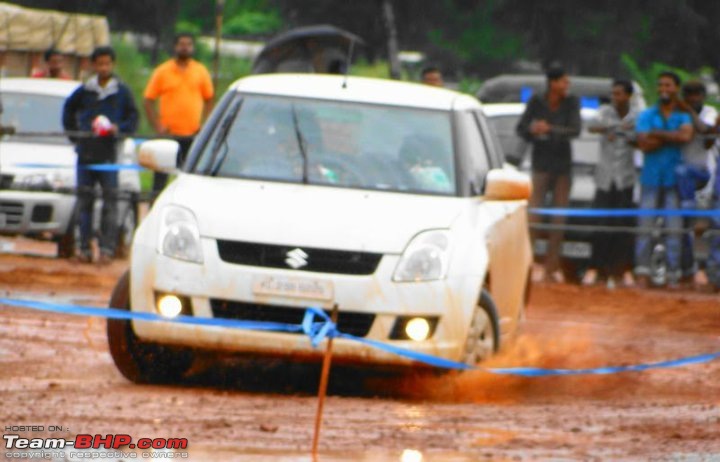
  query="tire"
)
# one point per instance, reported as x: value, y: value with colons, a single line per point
x: 138, y: 361
x: 483, y: 337
x: 126, y: 230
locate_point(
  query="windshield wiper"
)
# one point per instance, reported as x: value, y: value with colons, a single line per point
x: 301, y: 144
x: 217, y: 158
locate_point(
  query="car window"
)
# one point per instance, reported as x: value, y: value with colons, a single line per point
x: 334, y: 143
x: 513, y: 146
x: 473, y: 146
x: 492, y: 143
x: 27, y: 112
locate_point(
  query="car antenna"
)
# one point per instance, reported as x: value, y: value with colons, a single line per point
x: 351, y: 48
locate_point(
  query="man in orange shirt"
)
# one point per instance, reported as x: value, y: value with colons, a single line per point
x: 185, y: 92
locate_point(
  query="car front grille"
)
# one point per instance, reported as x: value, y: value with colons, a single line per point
x: 349, y: 322
x: 316, y: 260
x: 12, y: 211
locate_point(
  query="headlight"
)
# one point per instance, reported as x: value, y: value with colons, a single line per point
x: 179, y: 234
x: 425, y: 258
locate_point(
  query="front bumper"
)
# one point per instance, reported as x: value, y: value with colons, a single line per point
x: 452, y: 301
x: 35, y: 212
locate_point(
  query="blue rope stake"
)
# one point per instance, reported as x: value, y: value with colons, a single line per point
x: 316, y: 324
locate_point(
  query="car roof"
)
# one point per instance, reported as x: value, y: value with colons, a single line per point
x: 51, y: 87
x: 356, y: 89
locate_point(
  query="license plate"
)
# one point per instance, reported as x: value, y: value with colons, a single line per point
x: 576, y: 249
x: 570, y: 249
x: 293, y: 288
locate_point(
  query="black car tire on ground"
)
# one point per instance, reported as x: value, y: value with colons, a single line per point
x: 138, y: 361
x: 484, y: 333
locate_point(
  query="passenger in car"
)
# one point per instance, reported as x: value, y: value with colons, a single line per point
x: 549, y: 122
x: 693, y: 173
x: 661, y: 130
x: 615, y: 181
x: 421, y: 156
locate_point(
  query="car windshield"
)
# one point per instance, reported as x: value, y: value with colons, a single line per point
x: 333, y: 143
x: 27, y: 112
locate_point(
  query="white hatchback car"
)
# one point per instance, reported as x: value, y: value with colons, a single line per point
x: 387, y: 199
x: 37, y: 173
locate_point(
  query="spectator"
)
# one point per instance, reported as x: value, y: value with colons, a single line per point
x: 432, y: 75
x: 693, y: 173
x: 105, y: 106
x: 615, y: 180
x: 661, y: 130
x: 549, y: 122
x: 53, y: 66
x: 185, y: 92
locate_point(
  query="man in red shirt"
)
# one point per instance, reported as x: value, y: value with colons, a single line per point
x: 53, y: 66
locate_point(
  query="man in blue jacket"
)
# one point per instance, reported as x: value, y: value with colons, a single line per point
x: 104, y: 109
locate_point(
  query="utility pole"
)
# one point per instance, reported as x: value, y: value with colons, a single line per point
x: 219, y: 7
x: 392, y: 40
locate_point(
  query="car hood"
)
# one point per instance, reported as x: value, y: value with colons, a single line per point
x: 26, y: 158
x: 311, y: 216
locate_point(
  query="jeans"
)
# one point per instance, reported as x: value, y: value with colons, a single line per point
x: 690, y: 179
x: 612, y: 251
x: 108, y: 181
x: 659, y: 197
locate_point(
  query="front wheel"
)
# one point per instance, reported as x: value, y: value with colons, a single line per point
x: 138, y: 361
x: 484, y: 334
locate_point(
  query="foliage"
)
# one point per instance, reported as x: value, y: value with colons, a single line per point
x: 252, y: 23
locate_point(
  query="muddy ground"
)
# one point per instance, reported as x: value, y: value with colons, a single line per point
x: 56, y: 370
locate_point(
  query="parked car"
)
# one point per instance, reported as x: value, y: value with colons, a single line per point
x: 576, y: 249
x: 37, y: 173
x: 387, y: 199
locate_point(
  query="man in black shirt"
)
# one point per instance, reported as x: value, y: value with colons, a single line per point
x: 549, y: 122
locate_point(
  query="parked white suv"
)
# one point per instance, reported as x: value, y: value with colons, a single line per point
x: 388, y: 199
x: 37, y: 173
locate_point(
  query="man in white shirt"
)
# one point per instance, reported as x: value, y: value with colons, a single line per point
x: 693, y: 173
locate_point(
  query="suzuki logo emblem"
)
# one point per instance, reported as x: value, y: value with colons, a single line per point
x: 296, y: 258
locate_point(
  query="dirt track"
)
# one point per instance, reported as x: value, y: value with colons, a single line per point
x: 56, y: 370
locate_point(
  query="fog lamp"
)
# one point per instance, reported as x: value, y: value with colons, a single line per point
x: 417, y: 329
x: 169, y: 306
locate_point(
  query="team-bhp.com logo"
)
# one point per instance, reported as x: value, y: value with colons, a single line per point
x: 90, y: 442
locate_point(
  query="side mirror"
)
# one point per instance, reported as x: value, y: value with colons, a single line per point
x: 507, y: 185
x: 159, y: 155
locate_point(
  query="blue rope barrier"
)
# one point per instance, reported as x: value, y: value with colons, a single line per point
x: 567, y: 212
x: 317, y: 331
x: 97, y: 167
